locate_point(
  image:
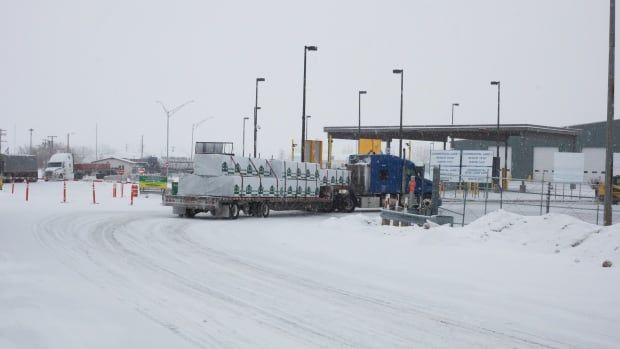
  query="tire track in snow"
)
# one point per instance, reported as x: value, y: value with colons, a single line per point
x: 120, y: 253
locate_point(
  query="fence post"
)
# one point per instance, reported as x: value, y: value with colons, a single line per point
x: 486, y: 193
x: 548, y: 196
x: 464, y: 204
x: 542, y: 191
x: 597, y: 208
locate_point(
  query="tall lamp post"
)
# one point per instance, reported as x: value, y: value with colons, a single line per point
x: 243, y: 146
x: 194, y: 127
x: 453, y: 105
x: 303, y: 108
x: 607, y: 212
x: 30, y: 151
x: 169, y: 113
x: 256, y: 113
x: 359, y: 118
x: 400, y: 128
x: 498, y: 84
x: 68, y: 135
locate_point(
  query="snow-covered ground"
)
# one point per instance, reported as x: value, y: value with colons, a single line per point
x: 111, y: 275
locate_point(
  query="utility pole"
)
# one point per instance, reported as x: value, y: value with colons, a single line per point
x: 609, y: 160
x: 96, y: 142
x: 52, y: 144
x: 30, y: 151
x: 256, y: 108
x: 142, y: 147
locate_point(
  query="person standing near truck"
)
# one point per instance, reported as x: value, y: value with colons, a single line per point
x: 411, y: 191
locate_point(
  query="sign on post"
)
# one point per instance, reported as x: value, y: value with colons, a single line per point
x: 477, y: 166
x: 568, y: 167
x: 449, y: 161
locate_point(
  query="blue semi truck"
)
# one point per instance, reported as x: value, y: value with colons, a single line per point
x: 373, y: 177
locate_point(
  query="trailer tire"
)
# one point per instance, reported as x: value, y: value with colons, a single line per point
x: 348, y: 204
x: 264, y: 210
x: 189, y: 213
x: 233, y: 211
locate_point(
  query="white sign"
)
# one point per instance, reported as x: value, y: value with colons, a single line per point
x: 568, y: 167
x: 446, y: 158
x: 448, y: 173
x: 478, y: 158
x: 476, y: 174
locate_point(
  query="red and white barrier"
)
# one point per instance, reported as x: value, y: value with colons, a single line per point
x: 134, y: 192
x: 64, y: 191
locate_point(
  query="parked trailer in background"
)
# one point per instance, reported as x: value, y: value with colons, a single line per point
x: 89, y: 169
x: 224, y: 185
x: 19, y: 168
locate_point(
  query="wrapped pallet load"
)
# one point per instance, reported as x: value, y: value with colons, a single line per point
x: 262, y: 167
x: 312, y: 171
x: 270, y: 186
x: 213, y: 165
x: 323, y: 177
x: 211, y: 186
x: 244, y: 166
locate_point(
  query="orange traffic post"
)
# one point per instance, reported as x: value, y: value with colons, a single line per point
x: 64, y: 191
x: 12, y: 185
x: 27, y: 189
x: 134, y: 192
x: 114, y: 190
x: 122, y: 188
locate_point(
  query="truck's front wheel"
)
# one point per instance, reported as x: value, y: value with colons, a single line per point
x: 348, y: 204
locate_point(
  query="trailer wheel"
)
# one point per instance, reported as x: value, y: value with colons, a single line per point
x: 233, y: 211
x: 348, y: 205
x: 189, y: 213
x: 264, y: 210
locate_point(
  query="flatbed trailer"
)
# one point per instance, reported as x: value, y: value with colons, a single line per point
x: 331, y: 198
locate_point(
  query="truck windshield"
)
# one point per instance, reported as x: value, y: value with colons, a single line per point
x: 54, y: 164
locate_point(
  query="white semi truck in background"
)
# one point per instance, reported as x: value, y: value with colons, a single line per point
x: 59, y: 167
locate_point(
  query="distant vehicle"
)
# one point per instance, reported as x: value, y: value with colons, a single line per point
x: 19, y: 168
x: 600, y: 190
x: 59, y: 167
x: 99, y: 170
x: 375, y: 176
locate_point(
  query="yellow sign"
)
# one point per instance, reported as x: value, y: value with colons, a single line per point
x: 369, y: 146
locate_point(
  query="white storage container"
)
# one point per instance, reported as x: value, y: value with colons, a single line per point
x: 279, y: 168
x: 263, y: 167
x: 323, y: 177
x: 312, y: 171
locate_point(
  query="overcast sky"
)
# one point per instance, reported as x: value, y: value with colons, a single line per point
x: 66, y: 65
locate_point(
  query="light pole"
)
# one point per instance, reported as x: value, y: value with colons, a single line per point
x: 30, y: 129
x: 400, y: 128
x: 69, y: 134
x: 194, y: 127
x: 243, y: 146
x: 607, y: 212
x: 359, y: 118
x: 169, y: 113
x: 256, y: 113
x: 453, y: 105
x: 498, y: 84
x: 303, y: 108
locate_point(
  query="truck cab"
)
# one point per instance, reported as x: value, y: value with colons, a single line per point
x: 59, y: 167
x: 377, y: 175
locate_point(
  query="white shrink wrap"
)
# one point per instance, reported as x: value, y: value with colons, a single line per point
x: 323, y: 177
x: 213, y: 165
x: 293, y: 171
x: 244, y: 166
x: 312, y: 189
x: 290, y: 188
x: 263, y: 167
x: 279, y: 168
x: 312, y: 171
x: 251, y: 186
x: 270, y: 187
x: 195, y: 185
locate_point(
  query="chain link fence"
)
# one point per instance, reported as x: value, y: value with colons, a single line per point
x: 470, y: 201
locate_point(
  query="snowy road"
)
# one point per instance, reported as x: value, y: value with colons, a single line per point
x: 105, y: 276
x: 213, y: 298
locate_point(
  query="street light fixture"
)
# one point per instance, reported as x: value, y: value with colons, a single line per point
x: 303, y: 108
x: 194, y: 127
x: 169, y: 113
x: 453, y: 105
x: 243, y: 147
x: 256, y: 107
x: 359, y: 118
